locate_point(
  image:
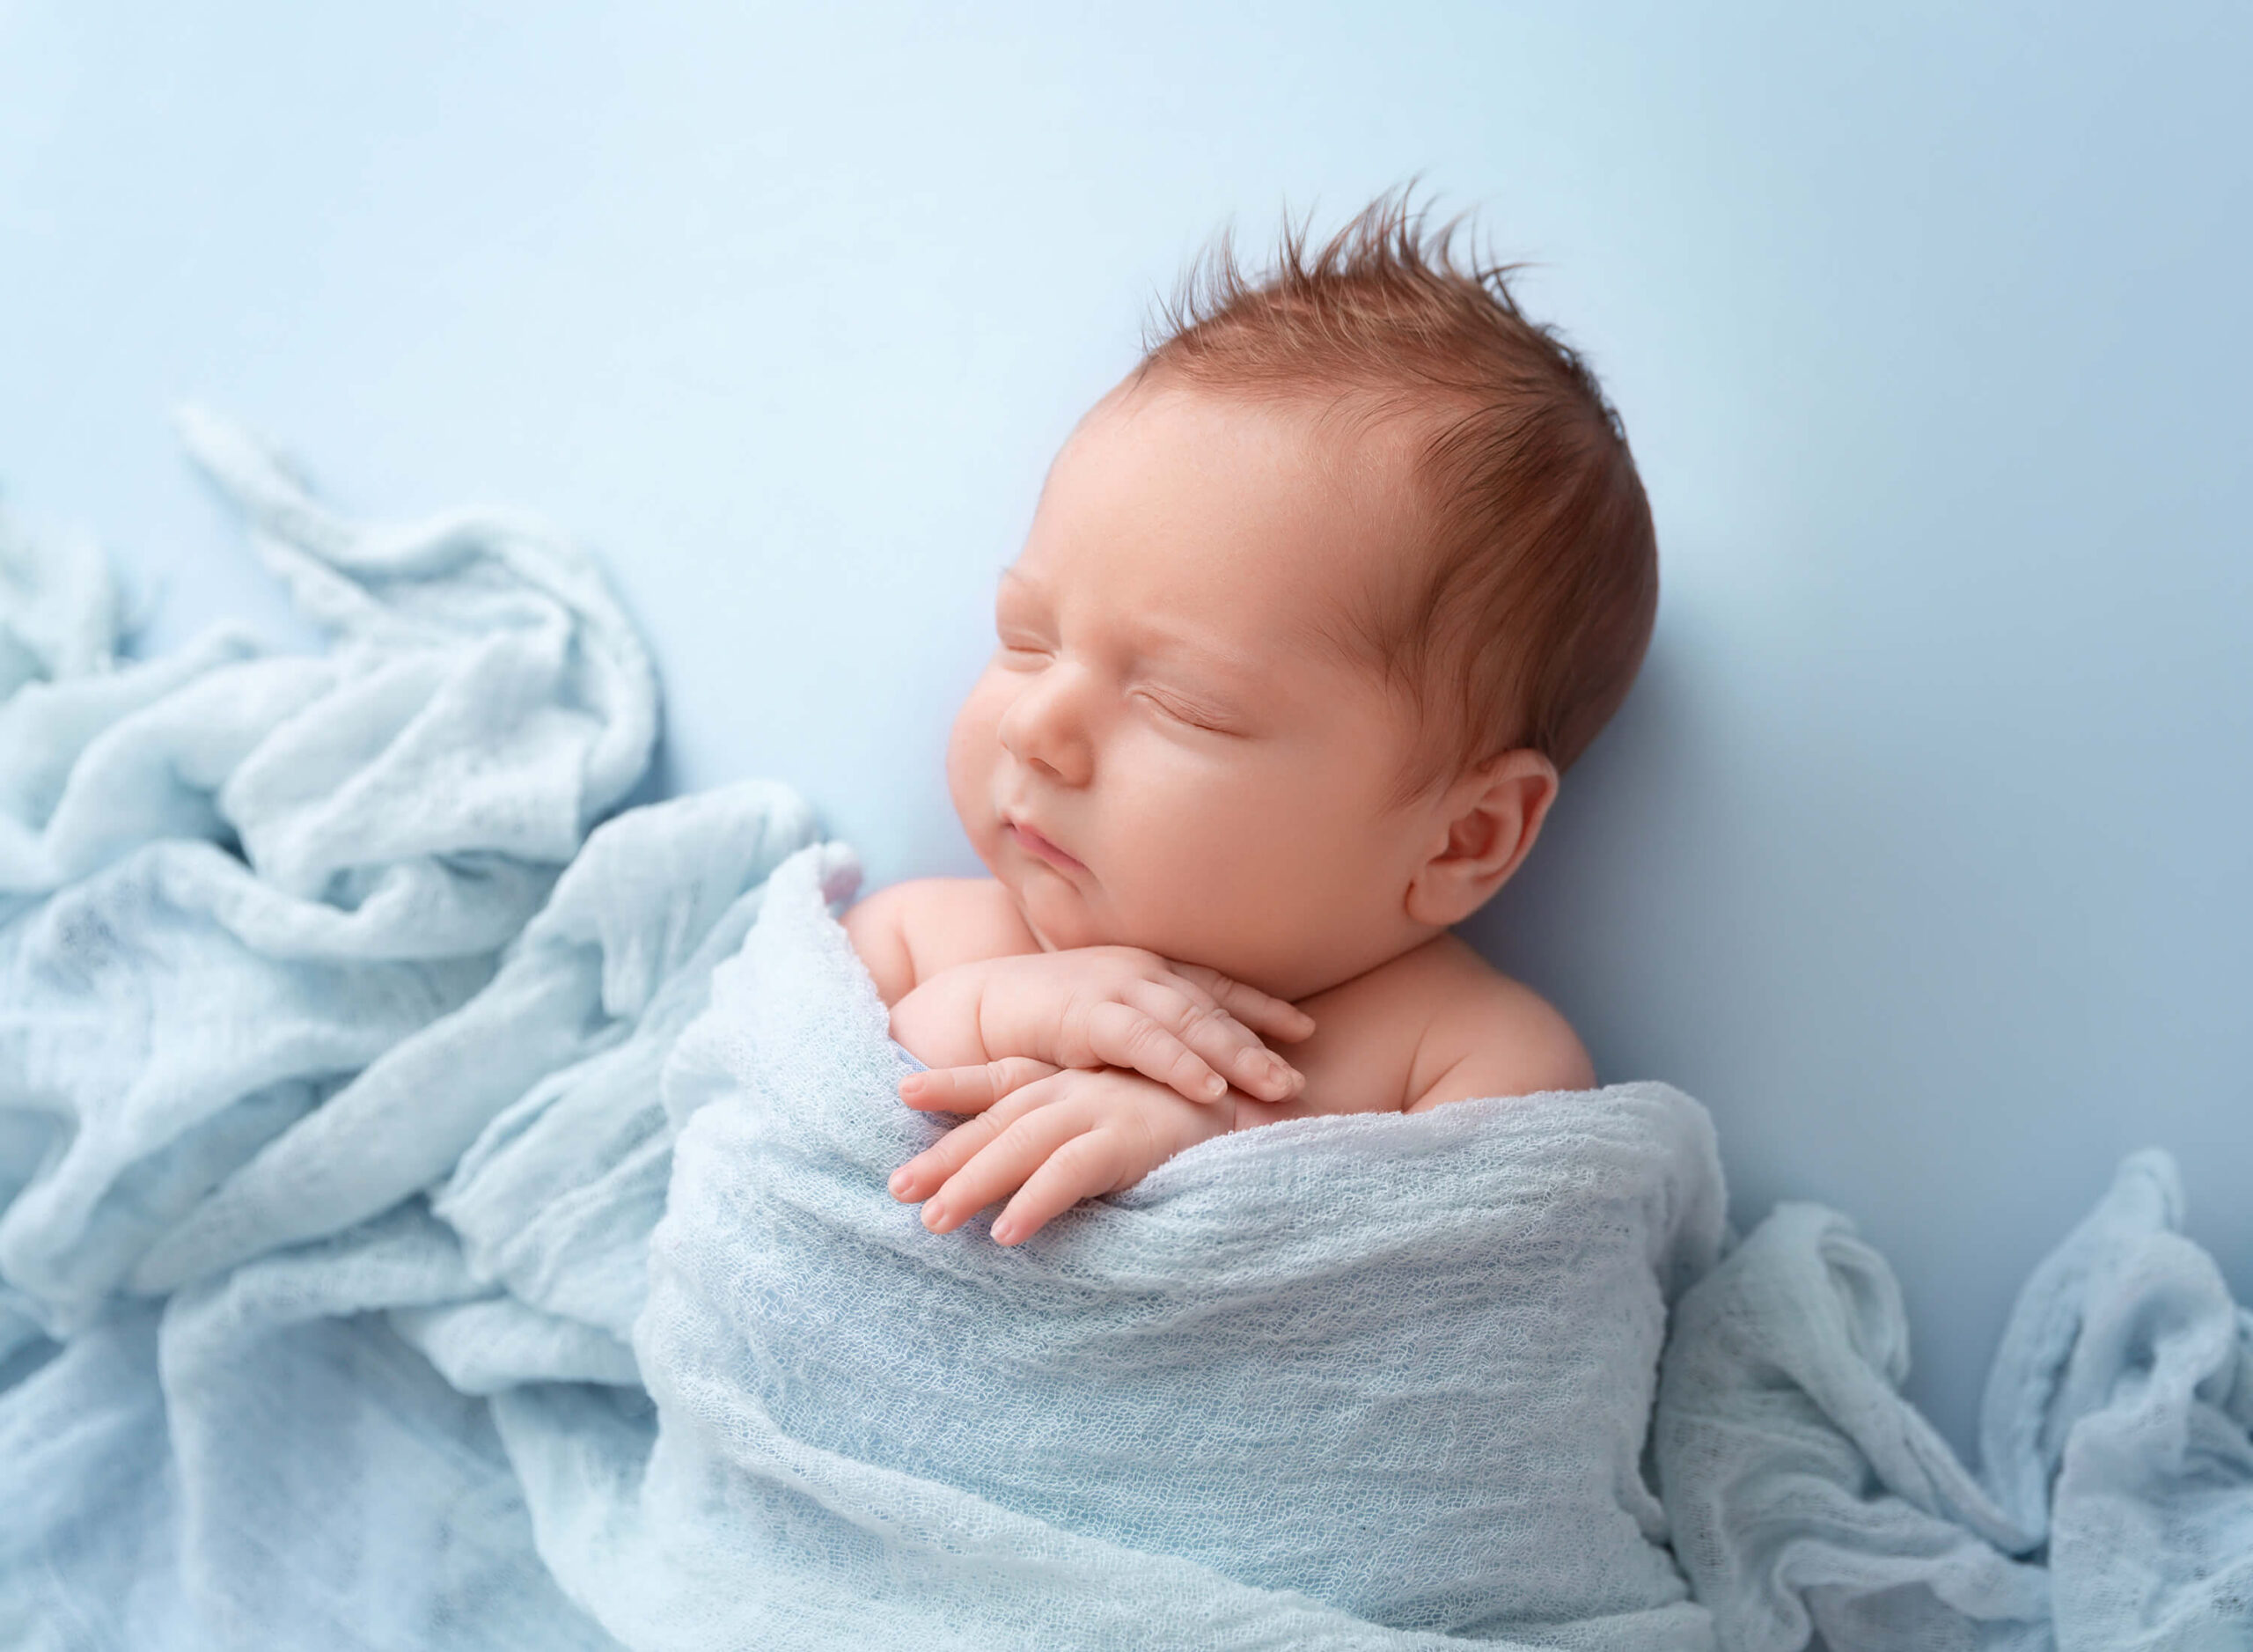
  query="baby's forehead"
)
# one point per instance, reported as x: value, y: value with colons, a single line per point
x: 1315, y: 493
x: 1255, y: 535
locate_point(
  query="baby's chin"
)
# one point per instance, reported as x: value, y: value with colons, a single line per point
x: 1065, y: 916
x: 1062, y: 919
x: 1058, y: 915
x: 1065, y: 913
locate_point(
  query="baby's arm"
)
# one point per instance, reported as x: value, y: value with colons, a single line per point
x: 1431, y: 1028
x: 974, y: 997
x: 906, y: 933
x: 989, y: 1026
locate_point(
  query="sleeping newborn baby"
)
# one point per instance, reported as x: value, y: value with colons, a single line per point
x: 1316, y: 607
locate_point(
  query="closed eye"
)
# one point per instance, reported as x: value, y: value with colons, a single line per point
x: 1181, y: 711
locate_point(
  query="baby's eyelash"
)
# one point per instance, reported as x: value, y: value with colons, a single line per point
x: 1180, y: 713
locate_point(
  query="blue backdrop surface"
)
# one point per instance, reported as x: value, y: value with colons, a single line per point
x: 1921, y: 852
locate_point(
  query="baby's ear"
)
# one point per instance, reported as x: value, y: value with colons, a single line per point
x: 1482, y: 827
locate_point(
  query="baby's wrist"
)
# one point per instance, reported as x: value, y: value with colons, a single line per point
x: 934, y: 1023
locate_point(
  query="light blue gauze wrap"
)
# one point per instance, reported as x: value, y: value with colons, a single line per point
x: 441, y: 1206
x: 1324, y: 1383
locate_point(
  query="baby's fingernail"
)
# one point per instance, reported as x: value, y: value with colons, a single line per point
x: 912, y: 1085
x: 898, y: 1183
x: 1004, y: 1231
x: 1213, y: 1085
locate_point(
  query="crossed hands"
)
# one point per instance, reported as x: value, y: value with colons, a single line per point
x: 1082, y: 1071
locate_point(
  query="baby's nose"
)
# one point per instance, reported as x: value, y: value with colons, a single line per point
x: 1045, y: 728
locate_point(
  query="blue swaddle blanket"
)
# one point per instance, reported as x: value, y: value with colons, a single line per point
x: 433, y: 1214
x: 1305, y: 1384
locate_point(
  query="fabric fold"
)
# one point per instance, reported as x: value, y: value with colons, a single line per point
x: 2115, y: 1508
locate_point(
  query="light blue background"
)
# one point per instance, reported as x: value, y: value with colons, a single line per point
x: 1920, y: 854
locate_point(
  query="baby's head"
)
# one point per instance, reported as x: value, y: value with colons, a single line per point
x: 1316, y: 607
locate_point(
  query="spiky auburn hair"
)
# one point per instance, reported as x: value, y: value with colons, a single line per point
x: 1529, y: 620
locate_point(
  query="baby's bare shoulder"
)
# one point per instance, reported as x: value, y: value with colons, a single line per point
x: 906, y: 933
x: 1437, y: 1024
x: 1482, y: 1033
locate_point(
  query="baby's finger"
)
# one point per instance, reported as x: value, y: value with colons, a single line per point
x: 922, y: 1175
x: 1229, y: 1046
x: 1122, y: 1034
x: 971, y: 1088
x: 1000, y: 1168
x: 1081, y: 1168
x: 1270, y: 1017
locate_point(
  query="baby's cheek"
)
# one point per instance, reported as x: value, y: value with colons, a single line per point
x: 1262, y: 871
x: 1200, y: 877
x: 973, y: 746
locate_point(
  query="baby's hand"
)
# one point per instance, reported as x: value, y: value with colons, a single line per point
x: 988, y: 1028
x: 1071, y: 1135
